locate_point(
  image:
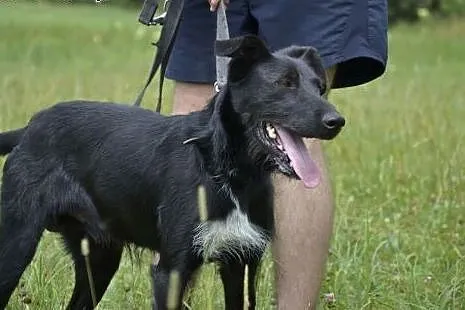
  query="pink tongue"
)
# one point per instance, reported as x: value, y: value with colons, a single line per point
x: 303, y: 165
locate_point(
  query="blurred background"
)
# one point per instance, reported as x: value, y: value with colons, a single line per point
x: 397, y: 167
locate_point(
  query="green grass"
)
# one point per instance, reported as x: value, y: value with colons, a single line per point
x: 398, y: 166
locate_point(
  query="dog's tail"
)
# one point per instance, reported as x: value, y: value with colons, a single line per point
x: 10, y: 139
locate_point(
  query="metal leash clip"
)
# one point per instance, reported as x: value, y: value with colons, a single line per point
x: 147, y: 14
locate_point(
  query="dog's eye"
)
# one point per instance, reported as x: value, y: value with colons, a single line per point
x: 285, y: 82
x: 321, y: 85
x: 322, y: 88
x: 289, y: 80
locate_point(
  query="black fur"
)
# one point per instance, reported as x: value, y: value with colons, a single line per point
x: 123, y: 175
x: 8, y: 140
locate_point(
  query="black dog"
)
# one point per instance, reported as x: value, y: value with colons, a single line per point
x: 122, y: 175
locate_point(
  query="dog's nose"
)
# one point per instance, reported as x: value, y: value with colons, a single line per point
x: 333, y: 120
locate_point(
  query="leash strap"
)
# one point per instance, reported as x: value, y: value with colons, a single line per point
x: 222, y: 33
x: 170, y: 21
x: 148, y: 11
x: 164, y: 47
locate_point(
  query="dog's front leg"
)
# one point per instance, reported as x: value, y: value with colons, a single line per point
x: 232, y: 276
x: 170, y: 281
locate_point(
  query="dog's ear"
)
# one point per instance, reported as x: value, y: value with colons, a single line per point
x: 213, y: 141
x: 245, y: 51
x: 312, y: 58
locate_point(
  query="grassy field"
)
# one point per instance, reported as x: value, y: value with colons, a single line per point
x: 398, y: 167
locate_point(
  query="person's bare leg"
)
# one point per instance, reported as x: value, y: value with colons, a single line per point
x: 189, y: 97
x: 304, y: 222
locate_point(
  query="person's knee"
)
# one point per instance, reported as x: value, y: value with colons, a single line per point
x: 189, y: 97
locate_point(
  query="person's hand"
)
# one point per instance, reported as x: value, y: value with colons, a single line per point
x: 214, y: 4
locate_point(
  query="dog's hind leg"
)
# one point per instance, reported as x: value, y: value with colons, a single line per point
x: 232, y: 275
x: 19, y: 237
x: 104, y: 262
x: 75, y: 217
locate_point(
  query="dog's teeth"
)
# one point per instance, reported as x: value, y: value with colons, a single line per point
x: 280, y: 146
x: 271, y: 131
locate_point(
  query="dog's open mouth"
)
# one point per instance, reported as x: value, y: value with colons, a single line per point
x: 294, y: 158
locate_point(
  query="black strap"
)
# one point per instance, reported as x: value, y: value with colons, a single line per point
x: 164, y: 46
x: 149, y: 8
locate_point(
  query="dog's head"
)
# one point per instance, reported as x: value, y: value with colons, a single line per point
x: 279, y: 97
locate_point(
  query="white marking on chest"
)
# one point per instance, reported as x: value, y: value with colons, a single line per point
x: 234, y: 236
